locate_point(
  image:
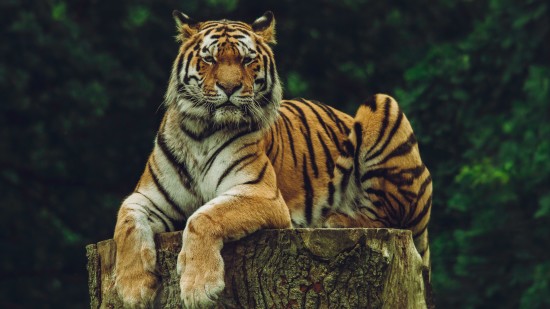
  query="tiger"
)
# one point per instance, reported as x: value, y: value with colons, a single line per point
x: 232, y: 157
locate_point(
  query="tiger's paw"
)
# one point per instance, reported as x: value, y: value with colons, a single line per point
x: 136, y: 281
x: 137, y: 290
x: 202, y: 276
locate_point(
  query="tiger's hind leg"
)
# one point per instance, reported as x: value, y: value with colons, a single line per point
x: 381, y: 178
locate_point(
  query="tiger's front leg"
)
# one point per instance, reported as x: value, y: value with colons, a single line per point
x: 240, y: 211
x: 136, y: 280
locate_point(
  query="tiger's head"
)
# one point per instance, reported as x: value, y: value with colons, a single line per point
x: 224, y: 75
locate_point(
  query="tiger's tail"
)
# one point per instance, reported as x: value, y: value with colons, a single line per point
x: 382, y: 180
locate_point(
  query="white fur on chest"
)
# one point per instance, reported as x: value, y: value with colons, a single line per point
x: 205, y: 161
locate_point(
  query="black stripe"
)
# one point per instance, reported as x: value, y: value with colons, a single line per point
x: 178, y: 68
x: 266, y: 99
x: 260, y: 81
x: 266, y: 58
x: 384, y: 126
x: 401, y: 150
x: 212, y: 43
x: 165, y: 194
x: 427, y: 205
x: 389, y: 138
x: 329, y: 111
x: 328, y: 157
x: 185, y: 176
x: 270, y: 148
x: 414, y: 171
x: 276, y: 154
x: 419, y: 233
x: 325, y: 211
x: 280, y: 135
x: 232, y: 166
x: 311, y: 151
x: 285, y: 117
x: 246, y: 164
x: 336, y: 142
x: 307, y: 137
x: 378, y: 193
x: 292, y: 111
x: 164, y: 222
x: 197, y: 136
x: 358, y: 142
x: 349, y: 149
x: 212, y: 158
x: 383, y: 220
x: 259, y: 178
x: 180, y: 88
x: 188, y: 62
x: 371, y: 103
x: 308, y: 188
x: 197, y: 68
x: 331, y: 190
x: 408, y: 195
x: 388, y: 205
x: 287, y: 122
x: 209, y: 26
x: 346, y: 173
x: 391, y: 174
x: 272, y: 70
x: 401, y: 208
x: 245, y: 145
x: 319, y: 118
x: 397, y: 177
x: 392, y: 213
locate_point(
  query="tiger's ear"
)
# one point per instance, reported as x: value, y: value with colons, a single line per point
x: 187, y: 26
x: 265, y: 27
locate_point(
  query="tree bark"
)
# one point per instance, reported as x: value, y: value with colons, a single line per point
x: 294, y: 268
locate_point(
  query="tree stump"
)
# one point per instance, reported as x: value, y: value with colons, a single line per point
x: 294, y: 268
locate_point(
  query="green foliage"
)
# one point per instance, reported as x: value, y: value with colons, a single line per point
x: 295, y: 84
x: 82, y: 83
x: 137, y: 16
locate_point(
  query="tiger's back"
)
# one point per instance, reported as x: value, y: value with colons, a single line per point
x: 334, y: 170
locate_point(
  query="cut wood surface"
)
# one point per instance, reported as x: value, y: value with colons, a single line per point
x: 294, y: 268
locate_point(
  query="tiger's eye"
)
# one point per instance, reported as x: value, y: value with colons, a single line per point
x: 247, y: 60
x: 208, y: 59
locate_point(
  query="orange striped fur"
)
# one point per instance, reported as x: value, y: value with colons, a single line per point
x: 232, y: 157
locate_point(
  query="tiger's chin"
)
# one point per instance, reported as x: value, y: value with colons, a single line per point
x: 231, y: 117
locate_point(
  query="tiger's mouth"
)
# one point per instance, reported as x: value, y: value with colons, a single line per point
x: 227, y: 104
x: 229, y: 113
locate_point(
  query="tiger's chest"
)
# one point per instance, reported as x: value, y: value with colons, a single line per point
x: 203, y: 170
x: 303, y: 146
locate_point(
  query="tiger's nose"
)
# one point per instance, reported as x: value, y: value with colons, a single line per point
x: 229, y: 89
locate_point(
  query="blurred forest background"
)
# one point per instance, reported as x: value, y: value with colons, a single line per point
x: 81, y: 83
